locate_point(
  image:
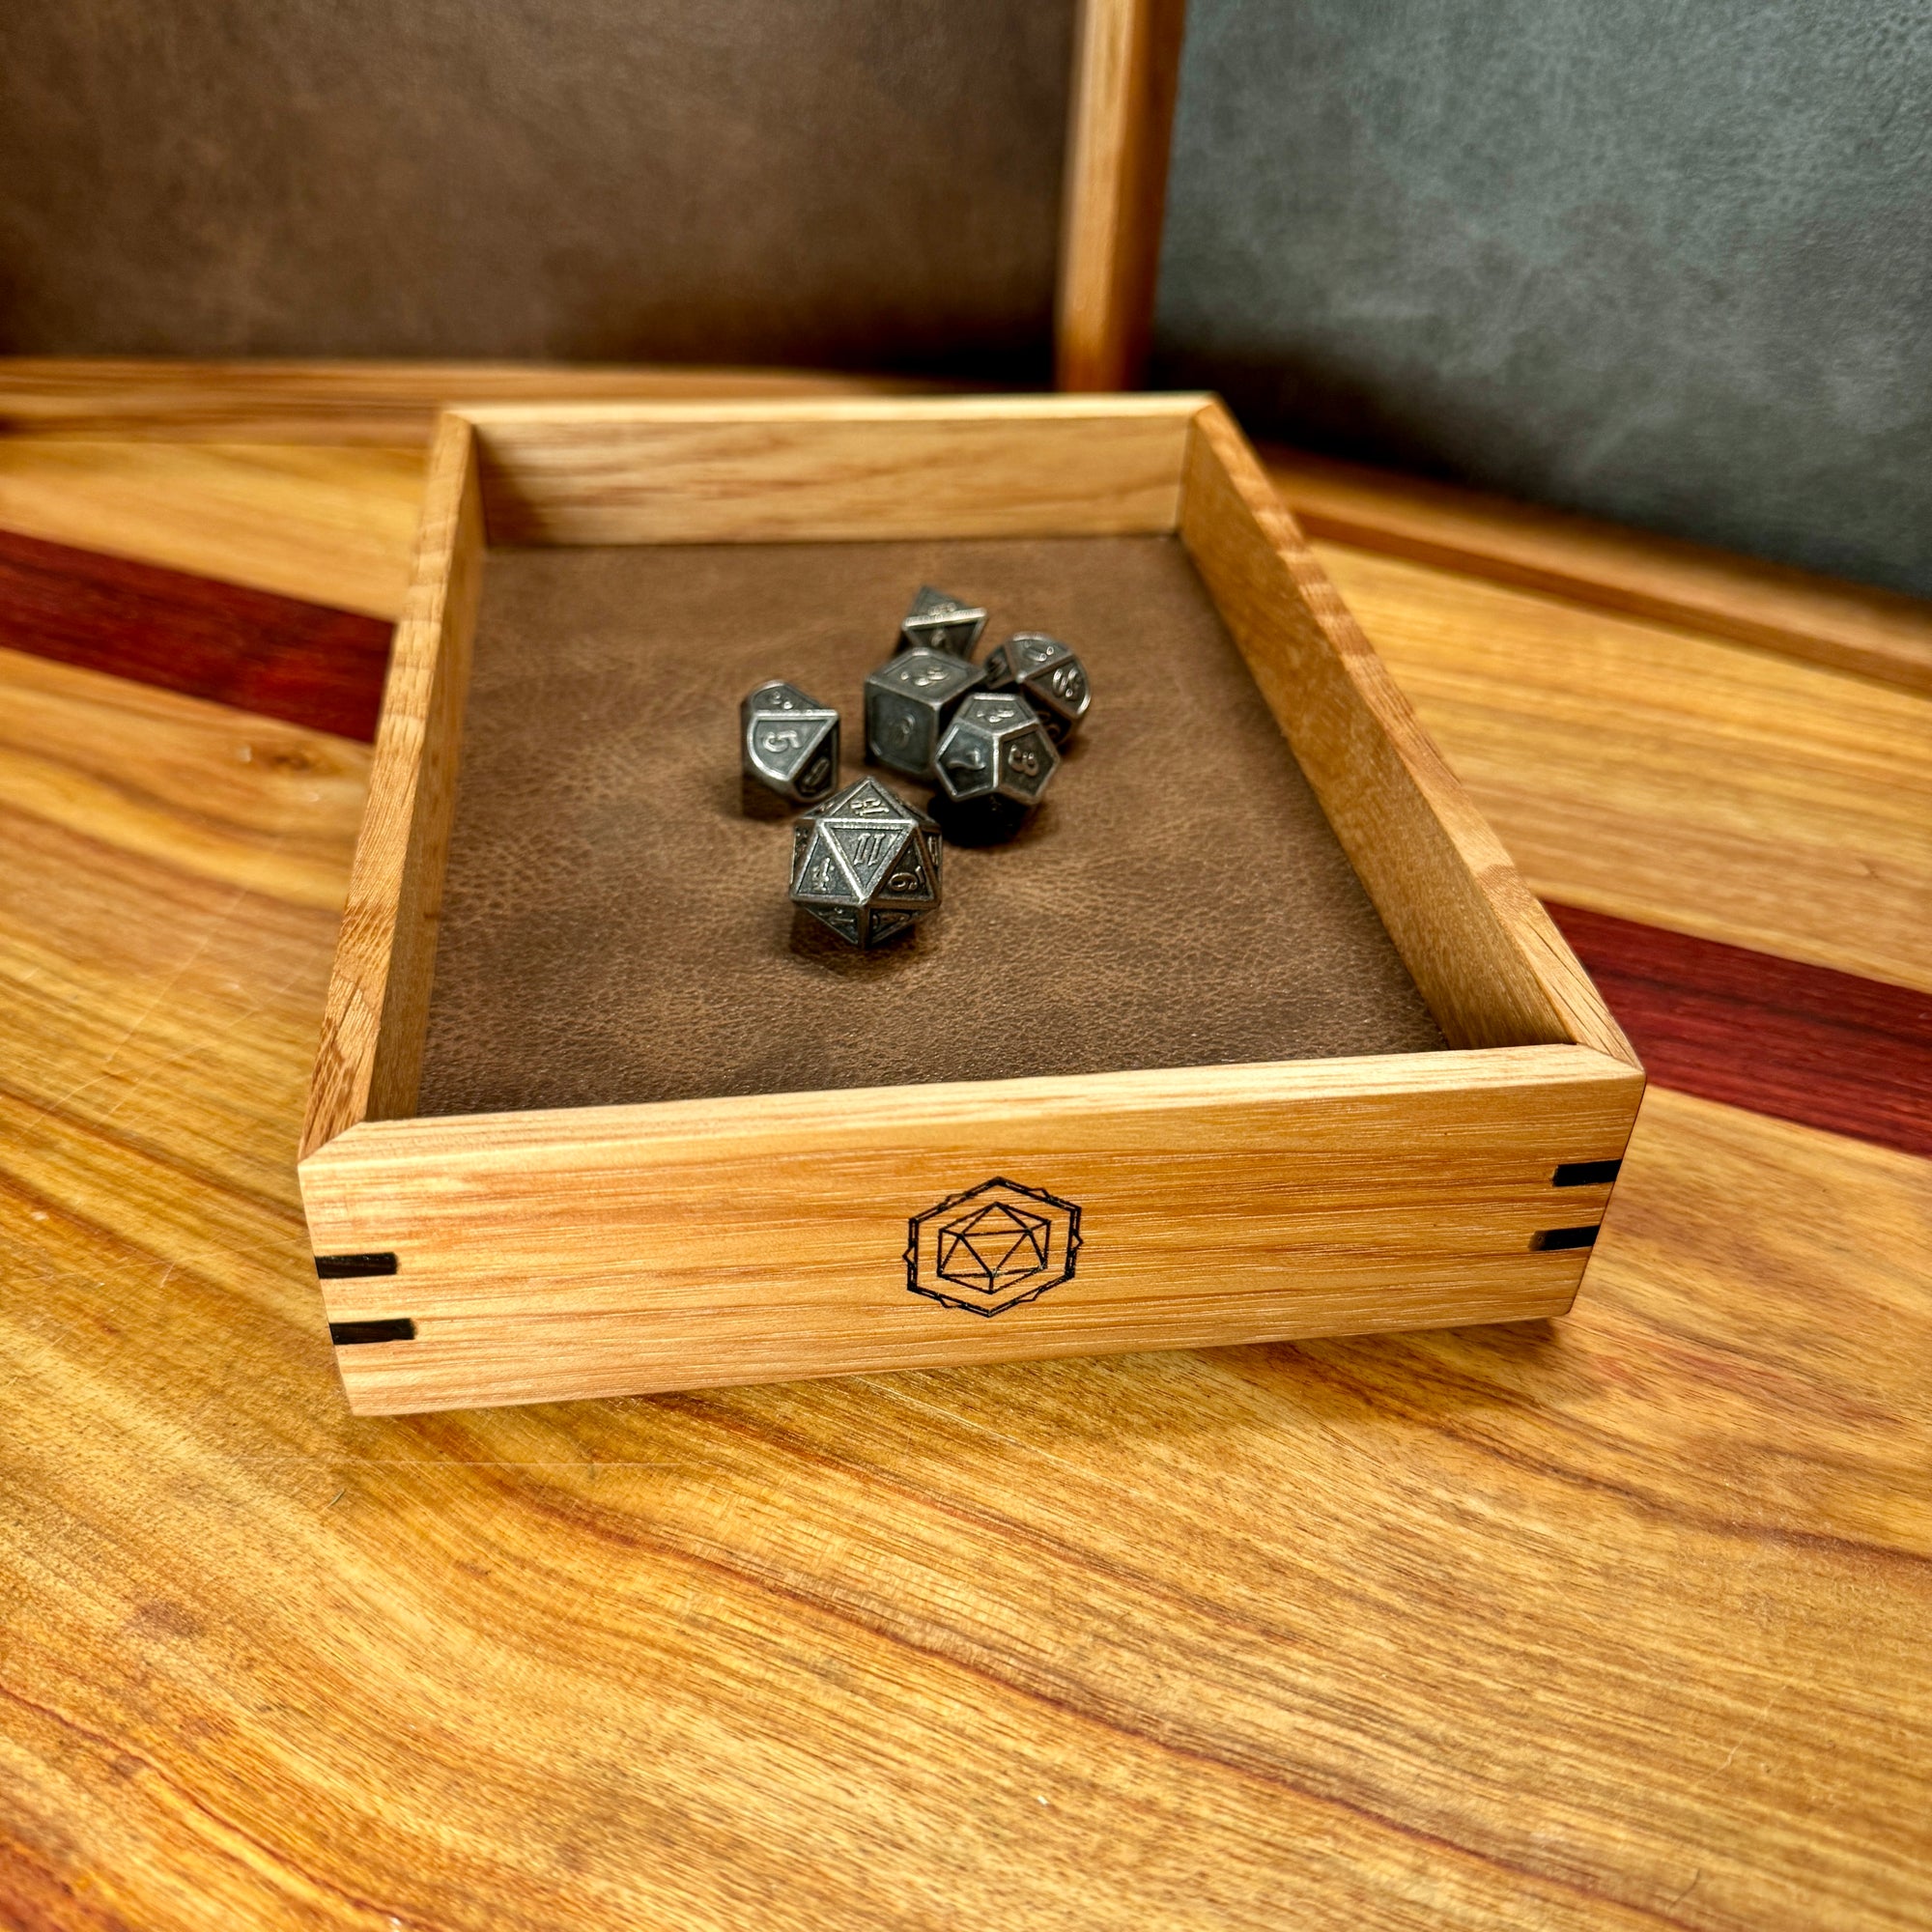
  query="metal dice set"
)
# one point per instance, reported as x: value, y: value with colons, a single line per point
x: 986, y: 735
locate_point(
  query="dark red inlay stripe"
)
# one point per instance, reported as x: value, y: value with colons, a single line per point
x: 1801, y: 1042
x: 277, y: 656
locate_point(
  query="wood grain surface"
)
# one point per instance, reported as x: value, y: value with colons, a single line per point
x: 119, y: 398
x: 1127, y: 70
x: 330, y: 525
x: 1619, y: 1621
x: 1852, y: 627
x: 697, y: 1243
x: 1493, y: 969
x: 370, y: 1057
x: 827, y: 469
x: 1659, y: 775
x: 1797, y: 1041
x: 275, y: 656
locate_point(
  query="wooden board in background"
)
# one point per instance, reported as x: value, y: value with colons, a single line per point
x: 330, y: 525
x: 1823, y: 620
x: 1680, y: 780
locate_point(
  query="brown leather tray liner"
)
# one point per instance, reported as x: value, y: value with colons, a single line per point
x: 615, y: 926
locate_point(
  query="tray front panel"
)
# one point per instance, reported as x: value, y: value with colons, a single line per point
x: 630, y: 1249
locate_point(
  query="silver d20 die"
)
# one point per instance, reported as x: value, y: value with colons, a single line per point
x: 866, y: 863
x: 937, y: 622
x: 789, y: 742
x: 909, y: 701
x: 1047, y: 675
x: 995, y: 746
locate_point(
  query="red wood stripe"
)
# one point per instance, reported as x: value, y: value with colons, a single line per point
x: 277, y: 656
x: 1800, y: 1042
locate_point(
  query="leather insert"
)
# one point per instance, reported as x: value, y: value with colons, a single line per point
x: 615, y: 926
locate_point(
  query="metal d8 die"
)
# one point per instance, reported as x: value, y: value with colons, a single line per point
x: 1043, y: 671
x: 937, y: 622
x: 789, y: 742
x: 909, y: 703
x: 995, y: 746
x: 867, y: 863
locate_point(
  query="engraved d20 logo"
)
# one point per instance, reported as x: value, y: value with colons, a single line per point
x: 992, y: 1247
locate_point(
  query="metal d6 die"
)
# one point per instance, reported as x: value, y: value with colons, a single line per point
x: 909, y: 703
x: 789, y: 742
x: 937, y: 622
x: 1043, y: 671
x: 866, y: 863
x: 995, y: 746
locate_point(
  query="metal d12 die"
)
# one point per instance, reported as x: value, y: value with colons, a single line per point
x: 995, y: 746
x: 909, y: 703
x: 937, y: 622
x: 789, y: 742
x: 867, y: 863
x: 1047, y: 674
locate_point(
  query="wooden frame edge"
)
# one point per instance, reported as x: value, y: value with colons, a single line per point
x: 1176, y: 404
x: 938, y: 1114
x: 831, y: 470
x: 370, y: 1055
x: 1126, y: 71
x: 1442, y: 880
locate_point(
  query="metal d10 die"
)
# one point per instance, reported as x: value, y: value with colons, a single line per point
x: 1047, y: 675
x: 866, y: 863
x: 995, y: 746
x: 937, y: 622
x: 789, y: 742
x: 909, y: 703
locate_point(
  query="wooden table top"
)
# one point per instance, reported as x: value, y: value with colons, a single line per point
x: 1620, y: 1620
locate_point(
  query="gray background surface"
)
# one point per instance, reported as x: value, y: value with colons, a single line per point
x: 869, y: 182
x: 1667, y: 261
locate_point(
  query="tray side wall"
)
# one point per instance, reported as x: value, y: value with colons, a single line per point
x: 378, y: 1006
x: 836, y: 470
x: 618, y: 1250
x: 1487, y: 958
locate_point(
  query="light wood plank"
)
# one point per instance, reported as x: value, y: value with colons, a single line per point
x: 1126, y: 69
x: 1854, y: 627
x: 332, y: 525
x: 1683, y: 780
x: 372, y: 1036
x: 1493, y: 968
x: 120, y: 397
x: 768, y: 472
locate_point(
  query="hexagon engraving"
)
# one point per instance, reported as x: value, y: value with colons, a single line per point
x: 992, y: 1247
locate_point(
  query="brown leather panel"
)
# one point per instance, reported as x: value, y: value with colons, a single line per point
x: 616, y: 926
x: 850, y: 182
